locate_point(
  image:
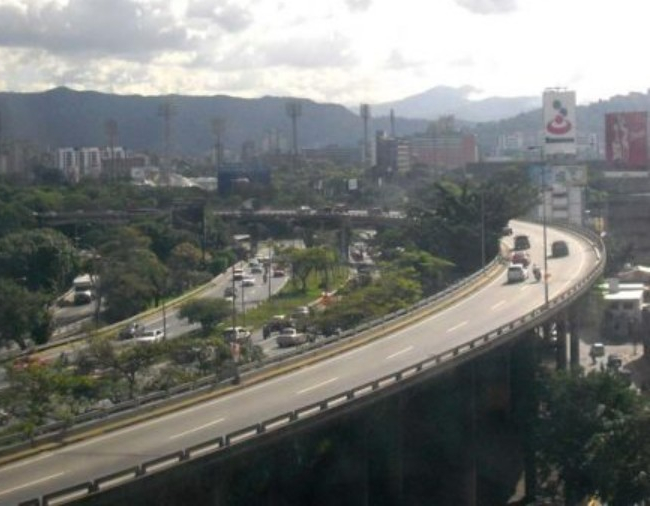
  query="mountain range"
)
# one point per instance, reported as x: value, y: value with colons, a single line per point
x: 444, y: 100
x: 62, y: 117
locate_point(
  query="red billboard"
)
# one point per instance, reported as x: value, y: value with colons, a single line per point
x: 626, y: 138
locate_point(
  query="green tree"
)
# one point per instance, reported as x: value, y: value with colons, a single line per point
x: 306, y: 261
x: 131, y: 275
x: 42, y: 259
x: 584, y: 423
x: 23, y: 315
x: 207, y: 312
x: 126, y: 365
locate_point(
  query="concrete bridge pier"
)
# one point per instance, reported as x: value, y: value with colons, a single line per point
x: 561, y: 346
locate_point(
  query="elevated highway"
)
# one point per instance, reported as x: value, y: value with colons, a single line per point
x: 484, y: 318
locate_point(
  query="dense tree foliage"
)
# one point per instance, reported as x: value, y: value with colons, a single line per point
x: 457, y: 220
x: 23, y: 315
x: 131, y: 275
x: 592, y: 433
x: 41, y: 259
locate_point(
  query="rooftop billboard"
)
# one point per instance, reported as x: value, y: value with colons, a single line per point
x: 626, y: 139
x: 559, y: 122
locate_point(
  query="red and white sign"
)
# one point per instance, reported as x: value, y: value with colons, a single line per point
x: 626, y: 139
x: 559, y: 122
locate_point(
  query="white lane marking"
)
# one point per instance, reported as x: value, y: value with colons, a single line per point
x: 196, y: 429
x: 524, y: 287
x: 405, y: 350
x: 500, y: 303
x: 31, y: 483
x: 314, y: 387
x: 456, y: 327
x: 25, y: 462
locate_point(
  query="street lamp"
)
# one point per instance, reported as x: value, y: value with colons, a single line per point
x: 543, y: 191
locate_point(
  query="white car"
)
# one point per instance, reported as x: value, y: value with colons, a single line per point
x: 151, y: 336
x: 290, y: 337
x: 517, y: 273
x: 248, y: 281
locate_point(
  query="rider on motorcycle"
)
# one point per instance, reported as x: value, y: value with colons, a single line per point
x: 536, y: 272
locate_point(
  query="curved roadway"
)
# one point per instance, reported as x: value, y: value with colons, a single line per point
x: 494, y: 305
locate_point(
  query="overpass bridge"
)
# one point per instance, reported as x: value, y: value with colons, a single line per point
x: 428, y: 344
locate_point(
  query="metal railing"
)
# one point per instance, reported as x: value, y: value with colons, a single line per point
x: 429, y: 365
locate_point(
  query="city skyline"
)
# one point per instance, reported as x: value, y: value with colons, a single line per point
x: 345, y: 51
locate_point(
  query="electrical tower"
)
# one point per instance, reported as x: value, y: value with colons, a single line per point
x: 294, y: 111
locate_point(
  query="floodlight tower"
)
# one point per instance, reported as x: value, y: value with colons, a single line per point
x: 364, y: 111
x: 294, y: 111
x: 167, y: 110
x: 218, y: 129
x: 110, y: 129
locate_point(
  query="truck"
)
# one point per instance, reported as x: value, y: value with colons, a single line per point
x: 84, y: 288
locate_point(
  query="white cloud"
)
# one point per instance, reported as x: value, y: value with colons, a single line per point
x: 342, y: 51
x: 100, y: 27
x: 488, y: 6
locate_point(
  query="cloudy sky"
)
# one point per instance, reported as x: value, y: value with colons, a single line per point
x: 343, y: 51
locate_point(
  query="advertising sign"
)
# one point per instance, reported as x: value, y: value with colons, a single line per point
x: 559, y: 122
x: 626, y: 139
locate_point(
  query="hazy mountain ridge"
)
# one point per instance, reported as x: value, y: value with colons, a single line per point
x: 62, y: 118
x: 444, y: 100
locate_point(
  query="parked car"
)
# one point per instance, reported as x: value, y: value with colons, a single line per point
x: 291, y: 337
x: 517, y: 273
x: 559, y: 249
x: 230, y: 292
x: 151, y: 336
x: 236, y: 334
x: 506, y: 231
x: 278, y: 273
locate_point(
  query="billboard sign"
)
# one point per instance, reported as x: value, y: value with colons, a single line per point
x: 559, y: 122
x: 626, y: 138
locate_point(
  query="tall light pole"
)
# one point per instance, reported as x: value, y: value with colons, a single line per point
x: 544, y: 228
x: 544, y: 239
